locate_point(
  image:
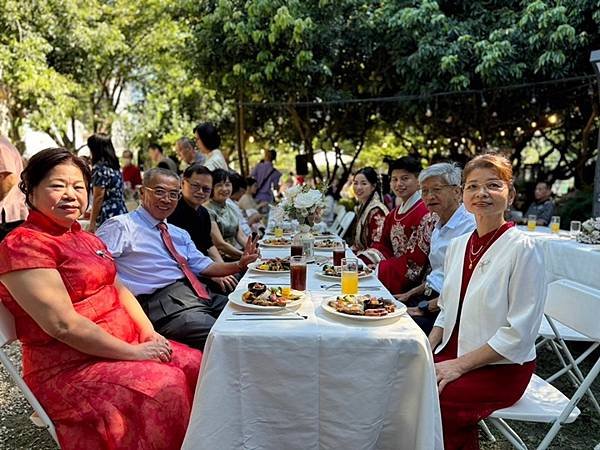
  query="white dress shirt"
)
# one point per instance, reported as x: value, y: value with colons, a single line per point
x: 143, y: 262
x: 460, y: 222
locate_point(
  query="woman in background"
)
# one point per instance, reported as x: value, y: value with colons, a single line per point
x: 107, y: 181
x: 371, y: 212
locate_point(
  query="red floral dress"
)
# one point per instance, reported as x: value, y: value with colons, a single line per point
x: 95, y: 403
x: 476, y: 394
x: 403, y: 250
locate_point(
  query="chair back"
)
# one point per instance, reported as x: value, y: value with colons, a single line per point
x: 7, y: 327
x: 346, y: 222
x: 339, y: 212
x: 574, y: 305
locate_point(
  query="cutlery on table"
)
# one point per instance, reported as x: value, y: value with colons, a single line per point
x: 338, y: 285
x: 287, y: 313
x: 266, y: 318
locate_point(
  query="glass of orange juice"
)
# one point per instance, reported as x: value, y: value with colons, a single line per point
x: 555, y: 224
x: 278, y: 231
x: 349, y: 276
x: 531, y: 222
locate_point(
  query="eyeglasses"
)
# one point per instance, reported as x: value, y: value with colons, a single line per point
x: 162, y: 193
x: 490, y: 186
x: 435, y: 190
x: 199, y: 187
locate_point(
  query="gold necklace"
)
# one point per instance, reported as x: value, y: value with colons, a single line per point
x: 475, y: 254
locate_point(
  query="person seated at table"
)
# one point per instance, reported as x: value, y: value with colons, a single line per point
x: 248, y: 201
x: 491, y: 304
x: 191, y: 216
x: 85, y: 340
x: 543, y: 206
x: 402, y: 250
x: 441, y: 193
x: 249, y: 219
x: 159, y: 263
x: 370, y: 211
x: 226, y: 232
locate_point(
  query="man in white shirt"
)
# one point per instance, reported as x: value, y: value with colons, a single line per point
x: 162, y: 278
x: 441, y: 192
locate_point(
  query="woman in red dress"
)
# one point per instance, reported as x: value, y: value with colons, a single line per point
x: 90, y: 355
x: 371, y: 213
x: 491, y: 308
x: 404, y: 245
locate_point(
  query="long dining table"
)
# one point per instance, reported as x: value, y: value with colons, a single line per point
x: 320, y: 382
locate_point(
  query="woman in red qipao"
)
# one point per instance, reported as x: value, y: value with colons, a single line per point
x: 491, y: 308
x: 104, y: 376
x: 402, y: 251
x: 371, y: 213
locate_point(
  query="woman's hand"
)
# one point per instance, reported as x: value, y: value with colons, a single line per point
x: 448, y: 371
x: 157, y: 348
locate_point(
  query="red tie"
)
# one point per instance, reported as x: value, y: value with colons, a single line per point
x: 182, y: 262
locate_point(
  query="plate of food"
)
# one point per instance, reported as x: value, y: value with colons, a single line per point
x: 271, y: 265
x: 363, y: 307
x: 323, y: 234
x: 276, y: 242
x: 335, y: 273
x: 262, y: 297
x: 325, y: 244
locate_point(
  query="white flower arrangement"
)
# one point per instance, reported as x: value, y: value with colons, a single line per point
x: 590, y: 231
x: 303, y: 204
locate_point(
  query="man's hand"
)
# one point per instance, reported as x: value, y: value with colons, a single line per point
x: 413, y: 311
x: 250, y: 252
x: 226, y: 283
x: 403, y: 297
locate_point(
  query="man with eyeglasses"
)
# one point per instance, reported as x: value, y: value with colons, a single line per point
x: 160, y: 263
x: 195, y: 219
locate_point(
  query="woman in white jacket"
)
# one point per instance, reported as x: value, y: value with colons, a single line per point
x: 491, y: 307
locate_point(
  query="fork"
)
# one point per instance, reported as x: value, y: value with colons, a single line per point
x: 336, y: 285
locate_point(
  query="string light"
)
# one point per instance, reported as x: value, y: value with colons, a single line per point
x: 533, y: 124
x: 251, y: 139
x: 429, y: 112
x: 502, y: 133
x: 552, y: 119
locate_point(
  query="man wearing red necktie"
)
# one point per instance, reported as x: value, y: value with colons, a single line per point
x: 160, y: 263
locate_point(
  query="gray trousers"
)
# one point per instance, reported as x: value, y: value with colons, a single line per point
x: 178, y: 314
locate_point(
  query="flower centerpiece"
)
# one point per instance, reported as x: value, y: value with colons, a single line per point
x: 590, y: 231
x: 304, y: 204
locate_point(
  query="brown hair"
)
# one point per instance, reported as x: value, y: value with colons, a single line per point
x: 498, y: 163
x: 43, y: 162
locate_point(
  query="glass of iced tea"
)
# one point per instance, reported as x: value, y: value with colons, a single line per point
x: 555, y: 224
x: 339, y: 253
x: 349, y: 276
x: 298, y: 273
x: 296, y: 249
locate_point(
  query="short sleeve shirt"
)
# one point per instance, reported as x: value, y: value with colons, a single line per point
x: 111, y: 181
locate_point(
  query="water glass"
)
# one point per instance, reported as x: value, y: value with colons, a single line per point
x: 531, y: 222
x: 555, y: 224
x: 575, y: 228
x: 349, y: 276
x: 298, y: 273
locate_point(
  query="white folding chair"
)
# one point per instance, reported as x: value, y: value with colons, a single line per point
x: 542, y: 402
x: 339, y: 212
x: 345, y: 223
x: 8, y: 335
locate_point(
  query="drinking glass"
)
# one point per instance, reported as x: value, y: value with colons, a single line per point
x: 296, y: 249
x: 555, y: 224
x: 339, y: 252
x: 278, y: 231
x: 349, y: 276
x: 575, y: 228
x: 298, y: 273
x: 531, y: 222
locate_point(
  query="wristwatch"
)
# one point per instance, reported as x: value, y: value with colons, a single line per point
x: 423, y: 306
x: 427, y: 290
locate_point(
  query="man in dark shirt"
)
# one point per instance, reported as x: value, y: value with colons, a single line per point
x: 194, y: 218
x: 543, y: 206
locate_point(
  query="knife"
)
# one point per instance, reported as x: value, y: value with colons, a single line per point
x: 265, y: 318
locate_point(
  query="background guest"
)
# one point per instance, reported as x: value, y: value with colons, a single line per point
x: 90, y: 355
x: 441, y: 193
x: 107, y: 181
x: 156, y: 154
x: 491, y: 303
x: 208, y: 141
x: 543, y: 206
x: 248, y: 201
x: 249, y: 219
x: 186, y: 151
x: 402, y: 250
x: 131, y: 173
x: 370, y: 215
x: 226, y: 232
x: 12, y: 201
x: 267, y: 177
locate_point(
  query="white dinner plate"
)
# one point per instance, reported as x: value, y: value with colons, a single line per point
x: 400, y: 310
x: 328, y: 248
x: 338, y: 278
x: 267, y: 244
x: 236, y: 298
x: 254, y: 267
x: 324, y: 236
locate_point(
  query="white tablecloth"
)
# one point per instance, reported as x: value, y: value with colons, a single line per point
x: 567, y: 259
x: 322, y: 383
